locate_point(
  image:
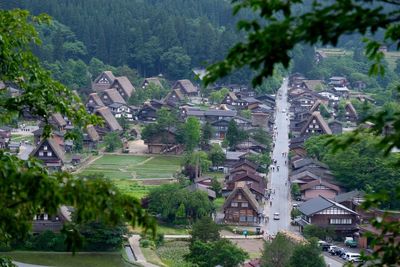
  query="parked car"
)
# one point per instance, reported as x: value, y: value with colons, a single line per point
x: 341, y: 253
x: 353, y: 257
x: 331, y: 249
x: 351, y: 243
x: 324, y: 245
x: 335, y: 251
x: 276, y: 216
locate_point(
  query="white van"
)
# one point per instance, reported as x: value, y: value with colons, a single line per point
x: 353, y: 257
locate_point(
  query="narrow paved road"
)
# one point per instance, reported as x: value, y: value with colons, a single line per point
x: 279, y: 201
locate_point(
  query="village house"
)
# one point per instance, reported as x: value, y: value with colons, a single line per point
x: 58, y: 122
x: 241, y: 207
x: 103, y: 81
x: 324, y: 212
x: 110, y: 123
x: 175, y: 97
x: 147, y: 113
x: 164, y: 142
x: 50, y: 153
x: 198, y: 187
x: 319, y: 56
x: 186, y: 88
x: 123, y: 86
x: 120, y: 110
x: 110, y: 96
x: 338, y: 81
x: 315, y: 125
x: 351, y: 113
x: 319, y: 187
x: 90, y: 137
x: 46, y: 222
x: 152, y: 81
x: 93, y: 102
x: 5, y: 137
x: 255, y: 183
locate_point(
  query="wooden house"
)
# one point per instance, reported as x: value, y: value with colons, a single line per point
x: 186, y: 87
x: 120, y: 110
x: 123, y: 86
x: 50, y: 153
x: 110, y: 123
x: 103, y: 81
x: 46, y: 222
x: 338, y: 81
x: 317, y: 188
x: 220, y: 128
x: 324, y: 212
x: 241, y: 207
x: 90, y: 137
x: 58, y: 122
x: 110, y: 96
x: 152, y: 81
x: 254, y: 182
x: 175, y: 97
x: 147, y: 113
x: 315, y: 125
x: 5, y: 137
x: 351, y: 113
x: 93, y: 102
x: 164, y: 142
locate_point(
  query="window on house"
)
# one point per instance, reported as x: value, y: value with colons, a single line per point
x: 234, y: 204
x: 245, y: 204
x: 239, y: 196
x: 242, y: 218
x: 40, y: 153
x: 49, y: 154
x: 340, y: 221
x: 316, y: 126
x: 45, y: 148
x: 314, y: 121
x: 250, y: 218
x: 45, y: 217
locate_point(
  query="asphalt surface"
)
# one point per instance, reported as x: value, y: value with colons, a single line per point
x: 280, y: 200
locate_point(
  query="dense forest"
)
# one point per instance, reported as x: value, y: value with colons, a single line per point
x: 152, y: 36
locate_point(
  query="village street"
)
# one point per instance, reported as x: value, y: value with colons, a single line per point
x: 280, y: 198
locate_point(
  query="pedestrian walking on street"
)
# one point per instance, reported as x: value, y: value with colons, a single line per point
x: 277, y: 168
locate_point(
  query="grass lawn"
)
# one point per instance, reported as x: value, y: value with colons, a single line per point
x: 111, y: 259
x: 133, y: 188
x: 220, y: 175
x: 151, y: 256
x: 22, y: 138
x: 166, y: 230
x: 218, y: 202
x: 172, y: 253
x: 131, y: 167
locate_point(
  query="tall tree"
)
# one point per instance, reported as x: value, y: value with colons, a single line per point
x: 277, y: 252
x: 191, y: 133
x: 307, y: 255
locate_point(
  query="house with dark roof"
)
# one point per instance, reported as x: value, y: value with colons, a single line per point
x: 186, y: 87
x: 198, y: 187
x: 58, y: 121
x: 110, y: 123
x: 164, y: 142
x: 220, y: 128
x: 147, y: 113
x: 315, y: 125
x: 338, y: 81
x: 324, y: 212
x: 120, y: 110
x: 90, y: 137
x: 254, y: 182
x: 352, y: 199
x: 241, y: 207
x: 123, y: 86
x: 50, y: 153
x: 47, y: 222
x: 103, y: 81
x: 93, y: 102
x: 212, y: 115
x: 175, y: 97
x: 317, y: 188
x: 351, y: 113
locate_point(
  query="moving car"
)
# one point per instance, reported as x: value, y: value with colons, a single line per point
x: 276, y: 216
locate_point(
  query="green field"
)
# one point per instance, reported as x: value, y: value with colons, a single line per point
x: 123, y: 170
x: 134, y: 167
x: 112, y: 259
x: 22, y: 138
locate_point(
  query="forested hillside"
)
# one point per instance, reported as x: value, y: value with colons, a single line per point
x: 152, y: 36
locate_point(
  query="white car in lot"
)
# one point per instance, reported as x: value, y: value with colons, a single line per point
x: 276, y: 216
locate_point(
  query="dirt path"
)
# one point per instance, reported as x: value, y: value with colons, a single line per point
x: 86, y: 163
x: 144, y: 161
